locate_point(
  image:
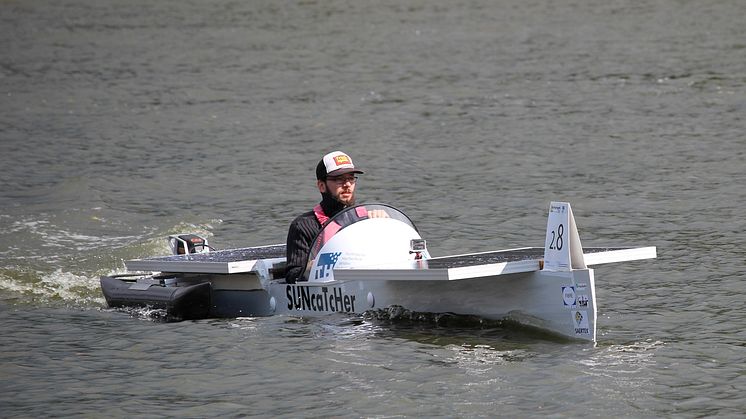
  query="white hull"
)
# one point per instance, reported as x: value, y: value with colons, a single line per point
x: 530, y: 298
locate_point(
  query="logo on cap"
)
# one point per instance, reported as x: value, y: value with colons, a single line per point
x: 342, y: 160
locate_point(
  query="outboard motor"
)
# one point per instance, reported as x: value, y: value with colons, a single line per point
x: 182, y: 244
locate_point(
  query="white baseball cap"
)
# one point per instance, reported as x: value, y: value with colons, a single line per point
x: 334, y: 164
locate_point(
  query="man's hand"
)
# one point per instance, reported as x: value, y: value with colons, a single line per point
x: 378, y: 213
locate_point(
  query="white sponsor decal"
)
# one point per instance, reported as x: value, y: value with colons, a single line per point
x: 580, y: 321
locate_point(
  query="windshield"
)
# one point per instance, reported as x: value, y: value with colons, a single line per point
x: 350, y: 216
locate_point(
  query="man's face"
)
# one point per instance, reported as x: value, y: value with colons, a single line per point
x: 342, y: 188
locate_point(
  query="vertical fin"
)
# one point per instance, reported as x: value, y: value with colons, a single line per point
x: 562, y: 248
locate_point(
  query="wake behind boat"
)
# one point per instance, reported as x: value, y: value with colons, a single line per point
x: 359, y: 263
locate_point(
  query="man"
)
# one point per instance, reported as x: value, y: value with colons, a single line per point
x: 335, y: 179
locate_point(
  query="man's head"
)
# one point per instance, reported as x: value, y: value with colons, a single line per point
x: 335, y: 175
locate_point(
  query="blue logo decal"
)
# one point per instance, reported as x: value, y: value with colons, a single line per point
x: 326, y: 264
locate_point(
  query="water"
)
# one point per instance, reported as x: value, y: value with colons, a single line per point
x: 123, y: 122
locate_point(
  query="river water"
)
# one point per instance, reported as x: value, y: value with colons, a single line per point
x: 124, y: 121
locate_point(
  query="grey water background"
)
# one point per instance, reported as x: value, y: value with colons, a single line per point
x: 124, y: 121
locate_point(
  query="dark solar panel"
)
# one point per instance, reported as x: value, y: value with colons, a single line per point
x: 486, y: 258
x: 587, y: 250
x: 226, y: 256
x: 500, y: 256
x: 183, y: 263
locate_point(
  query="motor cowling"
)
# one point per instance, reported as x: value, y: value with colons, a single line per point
x: 182, y: 244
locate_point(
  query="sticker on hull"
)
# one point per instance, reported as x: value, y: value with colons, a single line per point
x: 568, y: 296
x: 325, y: 264
x: 580, y: 321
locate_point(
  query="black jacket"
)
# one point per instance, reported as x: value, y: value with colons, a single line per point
x: 301, y: 233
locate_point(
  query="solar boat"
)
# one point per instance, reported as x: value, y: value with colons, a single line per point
x: 372, y: 257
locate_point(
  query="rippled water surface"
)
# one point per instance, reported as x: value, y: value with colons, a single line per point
x: 123, y: 122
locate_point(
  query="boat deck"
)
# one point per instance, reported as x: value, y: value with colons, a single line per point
x: 228, y: 261
x: 510, y: 261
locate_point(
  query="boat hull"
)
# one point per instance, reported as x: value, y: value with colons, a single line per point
x: 559, y: 302
x: 186, y: 302
x: 187, y: 298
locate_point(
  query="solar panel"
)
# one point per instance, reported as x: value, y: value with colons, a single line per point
x: 474, y: 259
x: 229, y: 255
x: 245, y: 259
x: 219, y: 261
x: 593, y: 255
x: 502, y: 262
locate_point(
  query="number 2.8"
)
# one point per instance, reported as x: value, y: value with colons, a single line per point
x: 557, y: 240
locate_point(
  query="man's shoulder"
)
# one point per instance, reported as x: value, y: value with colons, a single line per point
x: 304, y: 218
x: 303, y: 226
